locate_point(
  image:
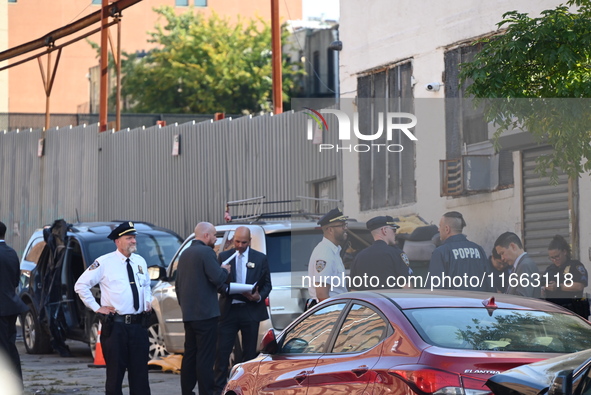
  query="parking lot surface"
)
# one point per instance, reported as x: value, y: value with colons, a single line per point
x: 51, y: 374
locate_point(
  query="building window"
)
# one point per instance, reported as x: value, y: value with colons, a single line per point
x: 12, y: 1
x: 467, y: 134
x: 386, y: 179
x: 97, y: 1
x: 181, y: 3
x: 200, y: 3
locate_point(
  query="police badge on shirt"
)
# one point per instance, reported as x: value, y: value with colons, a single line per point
x: 320, y: 265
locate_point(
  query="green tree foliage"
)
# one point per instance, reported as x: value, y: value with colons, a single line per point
x: 204, y: 66
x: 535, y: 76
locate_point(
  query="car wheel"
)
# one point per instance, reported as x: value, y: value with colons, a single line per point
x: 93, y: 336
x: 157, y: 346
x: 35, y: 338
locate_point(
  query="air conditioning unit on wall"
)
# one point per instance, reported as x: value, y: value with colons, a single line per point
x: 469, y: 174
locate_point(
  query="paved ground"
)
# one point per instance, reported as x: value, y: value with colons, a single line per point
x: 52, y: 374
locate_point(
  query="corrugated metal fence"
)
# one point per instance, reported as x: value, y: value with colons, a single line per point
x: 132, y: 174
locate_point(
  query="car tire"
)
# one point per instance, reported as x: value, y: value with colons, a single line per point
x: 157, y: 346
x: 35, y: 338
x: 93, y: 336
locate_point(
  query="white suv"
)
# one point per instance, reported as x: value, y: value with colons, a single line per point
x: 288, y: 246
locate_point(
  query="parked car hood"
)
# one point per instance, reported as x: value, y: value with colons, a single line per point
x: 535, y: 378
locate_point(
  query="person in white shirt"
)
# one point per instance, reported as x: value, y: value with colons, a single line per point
x: 325, y: 268
x: 125, y: 297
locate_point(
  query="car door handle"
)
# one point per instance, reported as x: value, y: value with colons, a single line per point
x: 301, y: 376
x: 360, y: 370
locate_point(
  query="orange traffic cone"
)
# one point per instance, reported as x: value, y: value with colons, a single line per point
x: 99, y: 360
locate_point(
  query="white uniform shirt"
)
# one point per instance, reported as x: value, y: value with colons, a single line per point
x: 110, y: 271
x: 325, y: 262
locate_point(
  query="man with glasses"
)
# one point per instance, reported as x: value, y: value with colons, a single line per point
x: 382, y: 265
x: 325, y: 268
x: 458, y: 263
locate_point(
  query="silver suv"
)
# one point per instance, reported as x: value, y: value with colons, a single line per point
x: 288, y: 246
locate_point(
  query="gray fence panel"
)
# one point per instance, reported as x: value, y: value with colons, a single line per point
x: 132, y: 174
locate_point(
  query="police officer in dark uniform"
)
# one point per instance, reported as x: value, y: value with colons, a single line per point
x: 125, y: 297
x: 458, y: 260
x: 382, y: 265
x: 567, y: 278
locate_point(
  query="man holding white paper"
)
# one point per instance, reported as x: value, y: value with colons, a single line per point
x: 241, y: 311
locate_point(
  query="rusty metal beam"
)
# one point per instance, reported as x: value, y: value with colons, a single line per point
x: 104, y: 66
x: 73, y: 27
x: 276, y: 58
x: 51, y: 49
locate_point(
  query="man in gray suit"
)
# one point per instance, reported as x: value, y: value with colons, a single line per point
x: 523, y: 270
x: 198, y: 277
x: 10, y: 304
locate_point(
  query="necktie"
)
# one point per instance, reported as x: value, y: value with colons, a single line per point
x: 136, y: 297
x: 239, y: 269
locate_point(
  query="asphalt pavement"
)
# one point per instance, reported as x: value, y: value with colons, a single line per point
x: 51, y: 374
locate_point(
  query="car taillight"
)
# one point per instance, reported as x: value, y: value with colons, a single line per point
x: 439, y: 382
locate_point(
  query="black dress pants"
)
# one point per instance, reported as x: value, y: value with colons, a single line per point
x: 237, y: 318
x: 199, y: 356
x: 126, y: 348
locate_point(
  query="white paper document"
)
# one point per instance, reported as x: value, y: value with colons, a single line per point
x: 238, y: 288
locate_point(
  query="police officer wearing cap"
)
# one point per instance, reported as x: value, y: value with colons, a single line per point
x: 382, y: 265
x: 458, y: 258
x: 325, y: 261
x: 125, y: 296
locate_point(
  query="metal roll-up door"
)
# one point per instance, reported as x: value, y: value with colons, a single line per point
x: 545, y: 208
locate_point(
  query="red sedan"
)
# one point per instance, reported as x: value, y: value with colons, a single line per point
x: 409, y: 342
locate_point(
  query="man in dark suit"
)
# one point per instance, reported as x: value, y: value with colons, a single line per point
x: 241, y: 312
x: 523, y: 270
x: 198, y: 277
x: 10, y: 304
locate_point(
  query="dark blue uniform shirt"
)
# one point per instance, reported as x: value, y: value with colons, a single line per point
x: 379, y: 261
x: 461, y: 260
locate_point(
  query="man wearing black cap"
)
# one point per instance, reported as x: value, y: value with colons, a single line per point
x: 382, y: 265
x: 125, y: 296
x: 325, y: 268
x: 458, y: 260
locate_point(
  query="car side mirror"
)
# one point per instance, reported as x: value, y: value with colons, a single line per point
x: 562, y: 383
x: 156, y: 272
x: 269, y: 343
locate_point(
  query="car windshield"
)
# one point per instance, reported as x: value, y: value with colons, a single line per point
x: 504, y: 330
x: 157, y: 250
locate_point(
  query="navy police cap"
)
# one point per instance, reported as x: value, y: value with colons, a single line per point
x: 333, y: 215
x: 125, y: 229
x: 380, y: 222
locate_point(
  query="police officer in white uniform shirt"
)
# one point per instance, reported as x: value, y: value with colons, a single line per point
x: 125, y: 298
x: 325, y: 268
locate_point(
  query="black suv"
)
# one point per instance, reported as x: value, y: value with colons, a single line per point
x: 56, y: 313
